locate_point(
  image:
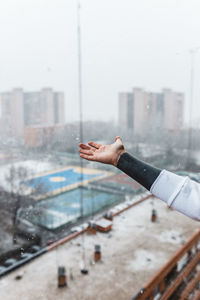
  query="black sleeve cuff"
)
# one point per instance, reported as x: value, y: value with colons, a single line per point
x: 140, y: 171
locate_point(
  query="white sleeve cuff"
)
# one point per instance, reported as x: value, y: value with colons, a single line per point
x: 167, y: 186
x: 182, y: 193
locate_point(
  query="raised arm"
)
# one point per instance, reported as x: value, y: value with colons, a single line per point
x: 116, y: 155
x: 179, y: 192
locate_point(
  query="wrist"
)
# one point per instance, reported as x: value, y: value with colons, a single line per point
x: 118, y: 157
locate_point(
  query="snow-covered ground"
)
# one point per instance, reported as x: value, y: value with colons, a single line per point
x: 33, y: 167
x: 132, y: 253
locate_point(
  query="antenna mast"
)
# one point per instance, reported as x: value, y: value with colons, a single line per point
x: 83, y: 269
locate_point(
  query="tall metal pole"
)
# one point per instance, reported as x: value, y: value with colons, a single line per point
x: 79, y: 71
x: 192, y: 53
x: 80, y: 115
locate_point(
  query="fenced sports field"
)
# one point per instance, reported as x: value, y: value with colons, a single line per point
x: 58, y: 195
x: 55, y: 182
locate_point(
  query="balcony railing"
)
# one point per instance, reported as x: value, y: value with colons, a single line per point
x: 180, y: 276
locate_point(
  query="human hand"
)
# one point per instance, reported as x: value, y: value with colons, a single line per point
x: 107, y: 154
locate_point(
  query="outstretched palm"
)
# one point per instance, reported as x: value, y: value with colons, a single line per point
x: 107, y: 154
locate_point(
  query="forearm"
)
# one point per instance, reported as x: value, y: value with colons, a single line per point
x: 140, y: 171
x: 179, y: 192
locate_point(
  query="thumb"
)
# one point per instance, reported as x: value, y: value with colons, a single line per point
x: 118, y: 138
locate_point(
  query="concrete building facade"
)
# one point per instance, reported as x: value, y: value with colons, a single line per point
x: 174, y: 109
x: 142, y: 112
x: 20, y: 109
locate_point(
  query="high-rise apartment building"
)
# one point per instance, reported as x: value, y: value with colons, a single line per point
x: 173, y: 109
x: 20, y: 109
x: 142, y: 111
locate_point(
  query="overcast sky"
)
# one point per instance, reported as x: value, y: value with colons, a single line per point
x: 125, y: 43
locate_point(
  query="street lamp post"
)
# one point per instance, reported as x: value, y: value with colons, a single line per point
x: 192, y: 54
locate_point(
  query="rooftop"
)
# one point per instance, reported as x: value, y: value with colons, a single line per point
x: 131, y: 254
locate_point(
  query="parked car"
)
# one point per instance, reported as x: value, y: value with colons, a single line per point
x: 9, y: 262
x: 25, y: 255
x: 2, y: 269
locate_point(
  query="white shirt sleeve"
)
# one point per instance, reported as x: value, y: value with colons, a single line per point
x: 181, y: 193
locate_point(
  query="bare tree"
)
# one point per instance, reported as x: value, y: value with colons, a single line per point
x: 21, y: 195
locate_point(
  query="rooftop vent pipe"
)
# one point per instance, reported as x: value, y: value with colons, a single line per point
x: 62, y: 279
x: 97, y: 253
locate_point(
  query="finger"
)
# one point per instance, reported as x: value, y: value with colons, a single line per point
x: 88, y: 157
x: 84, y: 151
x: 95, y: 145
x: 83, y: 146
x: 118, y: 137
